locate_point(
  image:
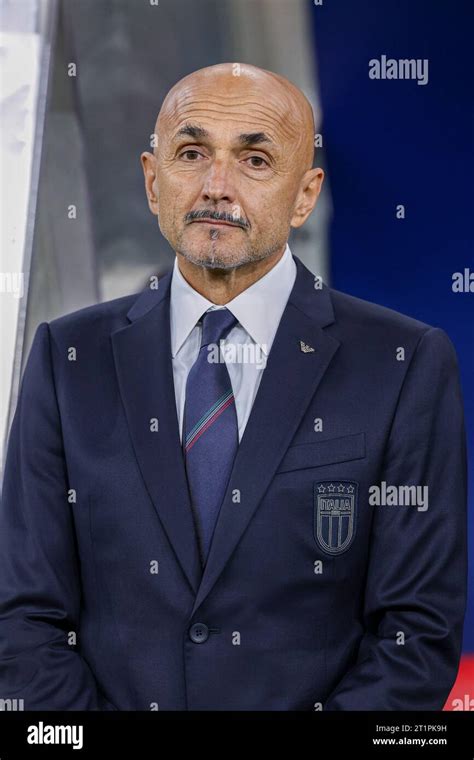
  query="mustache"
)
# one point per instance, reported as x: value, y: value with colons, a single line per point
x: 220, y: 216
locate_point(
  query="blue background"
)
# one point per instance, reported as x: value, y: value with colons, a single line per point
x: 390, y: 142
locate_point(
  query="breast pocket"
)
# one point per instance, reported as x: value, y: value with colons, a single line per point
x: 332, y: 451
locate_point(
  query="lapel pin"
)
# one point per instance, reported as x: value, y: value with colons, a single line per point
x: 305, y: 348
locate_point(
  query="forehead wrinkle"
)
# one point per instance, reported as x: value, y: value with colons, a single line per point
x: 242, y: 125
x: 208, y: 105
x: 293, y: 122
x: 191, y: 94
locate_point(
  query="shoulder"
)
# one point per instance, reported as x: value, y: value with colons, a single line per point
x: 97, y: 319
x: 367, y: 322
x: 369, y: 315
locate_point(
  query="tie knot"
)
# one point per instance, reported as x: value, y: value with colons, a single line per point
x: 215, y: 325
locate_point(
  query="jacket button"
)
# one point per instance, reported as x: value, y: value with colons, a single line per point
x: 199, y: 633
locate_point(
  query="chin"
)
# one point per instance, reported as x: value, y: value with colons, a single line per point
x: 215, y: 255
x: 214, y: 259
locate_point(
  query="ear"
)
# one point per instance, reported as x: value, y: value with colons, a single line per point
x: 308, y: 193
x: 148, y: 162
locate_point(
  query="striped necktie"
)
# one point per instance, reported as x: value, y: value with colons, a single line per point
x: 210, y: 430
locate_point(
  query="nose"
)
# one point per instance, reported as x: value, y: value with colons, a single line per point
x: 218, y: 183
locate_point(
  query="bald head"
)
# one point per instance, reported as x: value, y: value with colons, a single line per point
x: 231, y: 84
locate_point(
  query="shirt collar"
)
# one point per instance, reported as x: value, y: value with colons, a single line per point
x: 258, y: 308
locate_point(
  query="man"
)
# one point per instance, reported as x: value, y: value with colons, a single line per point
x: 239, y: 490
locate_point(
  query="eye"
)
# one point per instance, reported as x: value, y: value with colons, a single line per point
x: 257, y: 158
x: 192, y: 153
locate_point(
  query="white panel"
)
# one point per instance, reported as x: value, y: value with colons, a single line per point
x: 22, y: 97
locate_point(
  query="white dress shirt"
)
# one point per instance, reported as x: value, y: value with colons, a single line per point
x: 258, y: 310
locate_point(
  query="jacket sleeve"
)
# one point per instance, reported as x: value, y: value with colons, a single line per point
x: 39, y: 575
x: 416, y: 585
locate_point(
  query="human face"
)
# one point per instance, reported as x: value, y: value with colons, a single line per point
x: 227, y: 172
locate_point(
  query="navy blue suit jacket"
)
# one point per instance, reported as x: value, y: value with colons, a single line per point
x: 312, y: 596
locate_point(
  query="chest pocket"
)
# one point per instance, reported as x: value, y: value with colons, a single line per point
x: 332, y: 451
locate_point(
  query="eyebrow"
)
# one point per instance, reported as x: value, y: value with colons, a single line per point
x: 192, y: 130
x: 245, y: 139
x: 254, y: 138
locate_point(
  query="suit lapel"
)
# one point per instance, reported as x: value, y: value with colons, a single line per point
x: 289, y: 381
x: 142, y: 354
x: 144, y: 369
